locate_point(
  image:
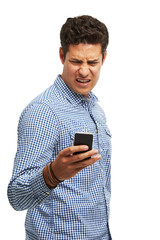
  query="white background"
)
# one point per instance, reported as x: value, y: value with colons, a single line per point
x: 128, y: 90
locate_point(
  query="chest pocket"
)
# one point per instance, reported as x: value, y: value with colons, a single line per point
x: 105, y: 138
x: 108, y: 132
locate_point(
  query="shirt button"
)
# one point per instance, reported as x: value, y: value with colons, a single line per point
x: 102, y: 170
x: 101, y: 149
x: 47, y: 193
x: 96, y: 130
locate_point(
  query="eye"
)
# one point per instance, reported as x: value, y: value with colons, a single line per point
x: 92, y: 63
x: 75, y: 62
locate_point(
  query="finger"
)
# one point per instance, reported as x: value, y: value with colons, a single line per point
x: 81, y: 156
x: 71, y: 150
x: 87, y: 162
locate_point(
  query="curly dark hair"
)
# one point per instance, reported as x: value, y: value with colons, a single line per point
x: 83, y: 29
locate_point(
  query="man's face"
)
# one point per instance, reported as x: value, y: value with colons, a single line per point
x: 81, y: 67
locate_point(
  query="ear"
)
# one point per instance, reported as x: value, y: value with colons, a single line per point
x: 104, y: 58
x: 61, y: 55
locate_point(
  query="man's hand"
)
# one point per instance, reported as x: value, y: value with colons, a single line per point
x: 67, y: 165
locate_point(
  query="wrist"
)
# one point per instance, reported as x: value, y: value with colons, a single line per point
x: 49, y: 180
x: 53, y: 175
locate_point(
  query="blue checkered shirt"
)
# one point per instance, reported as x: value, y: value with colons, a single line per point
x: 77, y: 208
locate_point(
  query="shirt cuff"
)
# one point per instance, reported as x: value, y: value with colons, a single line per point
x: 40, y: 190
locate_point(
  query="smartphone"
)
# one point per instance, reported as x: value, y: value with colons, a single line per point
x: 83, y: 138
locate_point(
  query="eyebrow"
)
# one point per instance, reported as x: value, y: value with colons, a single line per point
x: 94, y: 60
x: 89, y: 61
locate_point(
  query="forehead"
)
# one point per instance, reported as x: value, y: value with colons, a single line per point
x: 85, y: 50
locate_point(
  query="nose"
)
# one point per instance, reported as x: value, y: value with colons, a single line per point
x: 83, y: 71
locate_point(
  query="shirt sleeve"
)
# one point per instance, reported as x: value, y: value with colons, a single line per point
x: 37, y: 137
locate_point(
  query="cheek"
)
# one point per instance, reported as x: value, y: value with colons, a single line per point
x: 96, y: 73
x: 71, y: 70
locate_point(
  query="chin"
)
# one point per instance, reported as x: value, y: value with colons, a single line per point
x: 83, y: 93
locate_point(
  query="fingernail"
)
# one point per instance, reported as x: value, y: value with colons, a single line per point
x: 85, y: 147
x: 99, y: 156
x: 95, y: 151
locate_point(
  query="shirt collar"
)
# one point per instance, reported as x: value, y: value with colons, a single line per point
x: 73, y: 97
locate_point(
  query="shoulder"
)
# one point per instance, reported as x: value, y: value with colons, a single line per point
x: 41, y: 109
x: 43, y: 103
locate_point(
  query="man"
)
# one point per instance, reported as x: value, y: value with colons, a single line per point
x: 67, y: 195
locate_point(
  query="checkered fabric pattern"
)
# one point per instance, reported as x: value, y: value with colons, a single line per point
x: 77, y: 208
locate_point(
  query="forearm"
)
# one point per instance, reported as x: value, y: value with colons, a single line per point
x: 28, y: 190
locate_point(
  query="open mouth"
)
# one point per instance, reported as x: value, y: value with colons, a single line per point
x: 82, y: 80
